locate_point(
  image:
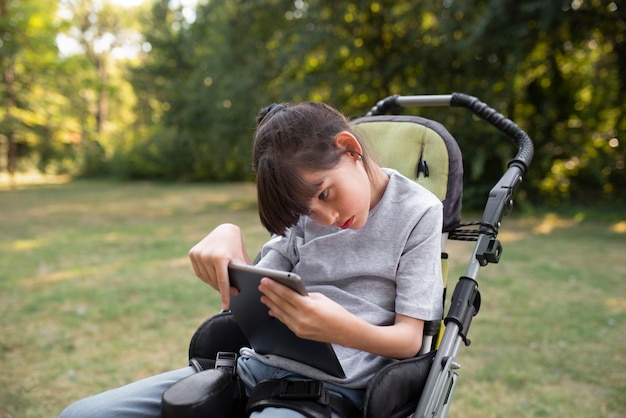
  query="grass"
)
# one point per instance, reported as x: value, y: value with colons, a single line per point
x: 96, y: 291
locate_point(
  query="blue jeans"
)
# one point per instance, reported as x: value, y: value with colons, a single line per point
x: 142, y: 399
x: 138, y: 399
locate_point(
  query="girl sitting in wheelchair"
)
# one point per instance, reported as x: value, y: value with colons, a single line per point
x: 366, y: 241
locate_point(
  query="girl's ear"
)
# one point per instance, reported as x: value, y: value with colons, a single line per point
x: 344, y: 140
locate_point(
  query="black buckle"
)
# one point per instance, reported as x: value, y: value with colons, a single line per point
x: 226, y: 360
x: 301, y: 389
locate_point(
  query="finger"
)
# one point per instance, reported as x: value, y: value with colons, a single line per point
x: 195, y: 256
x: 223, y: 283
x: 275, y: 310
x: 280, y: 298
x: 198, y: 268
x: 202, y: 271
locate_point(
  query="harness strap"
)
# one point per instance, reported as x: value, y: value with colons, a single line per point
x: 343, y: 406
x: 308, y: 397
x: 202, y: 364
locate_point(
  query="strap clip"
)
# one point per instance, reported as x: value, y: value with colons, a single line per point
x: 226, y: 360
x: 301, y: 389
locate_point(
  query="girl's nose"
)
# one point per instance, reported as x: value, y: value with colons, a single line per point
x: 324, y: 216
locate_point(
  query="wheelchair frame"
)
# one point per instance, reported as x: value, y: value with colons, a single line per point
x: 442, y: 379
x: 436, y: 396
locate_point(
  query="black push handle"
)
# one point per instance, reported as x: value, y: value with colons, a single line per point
x: 525, y: 148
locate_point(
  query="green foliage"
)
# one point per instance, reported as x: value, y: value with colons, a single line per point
x: 30, y: 103
x: 184, y: 106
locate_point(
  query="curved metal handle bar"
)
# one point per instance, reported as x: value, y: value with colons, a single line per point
x: 525, y: 148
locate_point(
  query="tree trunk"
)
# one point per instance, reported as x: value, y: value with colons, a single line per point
x: 103, y: 98
x: 9, y: 78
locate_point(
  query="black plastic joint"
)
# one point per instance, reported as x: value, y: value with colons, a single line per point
x: 302, y: 389
x: 489, y: 251
x: 226, y: 360
x: 464, y: 305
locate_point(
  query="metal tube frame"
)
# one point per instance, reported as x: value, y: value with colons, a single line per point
x: 437, y: 394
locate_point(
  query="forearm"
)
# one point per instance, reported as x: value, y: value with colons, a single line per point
x: 315, y: 317
x: 400, y: 340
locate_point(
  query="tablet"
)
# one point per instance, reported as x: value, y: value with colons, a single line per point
x: 238, y: 273
x: 267, y: 335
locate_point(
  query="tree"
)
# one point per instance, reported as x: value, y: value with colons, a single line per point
x: 200, y: 76
x: 558, y: 69
x: 29, y: 115
x: 106, y: 37
x: 209, y: 78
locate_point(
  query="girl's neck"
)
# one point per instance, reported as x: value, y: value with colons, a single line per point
x: 378, y: 185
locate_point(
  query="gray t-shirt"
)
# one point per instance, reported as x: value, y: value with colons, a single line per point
x: 391, y: 265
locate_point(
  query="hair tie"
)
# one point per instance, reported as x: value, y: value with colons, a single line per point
x: 268, y: 111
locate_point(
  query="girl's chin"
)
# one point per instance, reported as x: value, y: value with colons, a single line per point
x: 357, y: 225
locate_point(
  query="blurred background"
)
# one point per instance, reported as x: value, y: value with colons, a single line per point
x: 125, y: 134
x: 169, y: 90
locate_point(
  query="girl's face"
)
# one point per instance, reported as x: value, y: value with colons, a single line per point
x: 344, y: 194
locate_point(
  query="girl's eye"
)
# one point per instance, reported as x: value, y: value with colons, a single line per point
x: 323, y: 195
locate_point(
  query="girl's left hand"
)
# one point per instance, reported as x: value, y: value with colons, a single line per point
x: 316, y: 317
x: 313, y: 317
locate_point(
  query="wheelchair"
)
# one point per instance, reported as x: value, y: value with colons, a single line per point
x: 424, y: 150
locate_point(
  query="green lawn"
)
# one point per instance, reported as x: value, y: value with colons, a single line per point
x: 96, y: 291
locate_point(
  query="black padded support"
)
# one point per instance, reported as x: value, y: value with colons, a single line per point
x: 385, y: 397
x: 208, y: 393
x: 432, y: 328
x: 392, y: 393
x: 217, y: 333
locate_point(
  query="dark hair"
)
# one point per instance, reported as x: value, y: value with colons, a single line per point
x: 290, y: 139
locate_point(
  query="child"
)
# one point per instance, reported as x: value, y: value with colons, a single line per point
x: 365, y: 240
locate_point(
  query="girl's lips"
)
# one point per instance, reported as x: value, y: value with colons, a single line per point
x: 348, y: 223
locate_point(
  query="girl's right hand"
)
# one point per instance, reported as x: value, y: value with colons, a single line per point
x: 211, y: 256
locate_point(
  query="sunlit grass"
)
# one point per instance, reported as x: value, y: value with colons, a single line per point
x: 96, y: 288
x: 550, y: 339
x: 27, y: 179
x: 96, y: 291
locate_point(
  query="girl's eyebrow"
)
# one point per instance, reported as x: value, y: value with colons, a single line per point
x: 320, y: 185
x: 317, y: 185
